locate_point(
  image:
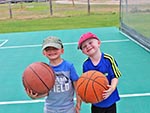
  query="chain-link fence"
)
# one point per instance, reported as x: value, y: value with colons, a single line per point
x: 135, y: 20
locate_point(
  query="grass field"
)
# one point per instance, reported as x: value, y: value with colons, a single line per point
x: 86, y: 21
x: 35, y: 17
x: 136, y: 21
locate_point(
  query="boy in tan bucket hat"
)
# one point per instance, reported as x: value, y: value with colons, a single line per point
x: 60, y: 98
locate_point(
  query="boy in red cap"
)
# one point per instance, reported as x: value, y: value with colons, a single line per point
x: 89, y: 44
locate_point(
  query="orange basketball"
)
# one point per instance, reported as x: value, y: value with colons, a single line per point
x: 38, y: 77
x: 90, y: 86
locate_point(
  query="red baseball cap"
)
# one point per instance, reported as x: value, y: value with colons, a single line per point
x: 86, y: 36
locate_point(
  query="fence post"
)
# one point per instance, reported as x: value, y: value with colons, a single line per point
x: 10, y: 9
x: 88, y: 6
x: 51, y: 10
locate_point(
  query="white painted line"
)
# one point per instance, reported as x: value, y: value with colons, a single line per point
x: 105, y: 41
x: 111, y: 41
x: 4, y: 41
x: 21, y: 102
x: 41, y: 101
x: 72, y: 43
x: 135, y: 41
x: 24, y: 46
x: 135, y: 95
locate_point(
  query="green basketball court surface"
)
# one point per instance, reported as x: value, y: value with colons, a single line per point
x: 18, y: 50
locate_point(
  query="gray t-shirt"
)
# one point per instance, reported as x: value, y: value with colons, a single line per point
x: 62, y: 94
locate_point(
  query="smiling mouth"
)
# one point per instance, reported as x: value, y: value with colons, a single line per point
x: 52, y: 54
x: 89, y: 49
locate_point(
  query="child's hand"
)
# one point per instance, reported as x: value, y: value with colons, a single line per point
x: 35, y: 95
x: 108, y: 92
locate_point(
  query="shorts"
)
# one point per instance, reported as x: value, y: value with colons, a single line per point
x: 111, y: 109
x: 71, y: 110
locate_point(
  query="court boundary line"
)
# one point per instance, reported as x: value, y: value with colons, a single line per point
x: 42, y: 100
x: 71, y: 43
x: 135, y: 41
x: 4, y: 42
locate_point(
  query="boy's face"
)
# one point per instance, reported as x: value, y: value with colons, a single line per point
x: 90, y: 46
x: 53, y: 53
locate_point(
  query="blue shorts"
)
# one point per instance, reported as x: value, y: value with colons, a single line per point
x: 70, y: 110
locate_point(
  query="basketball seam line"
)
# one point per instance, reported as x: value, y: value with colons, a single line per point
x: 94, y: 87
x: 39, y: 77
x: 87, y: 84
x: 95, y: 81
x: 53, y: 77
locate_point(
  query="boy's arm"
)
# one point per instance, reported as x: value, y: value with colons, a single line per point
x: 114, y: 83
x: 78, y: 99
x: 111, y: 88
